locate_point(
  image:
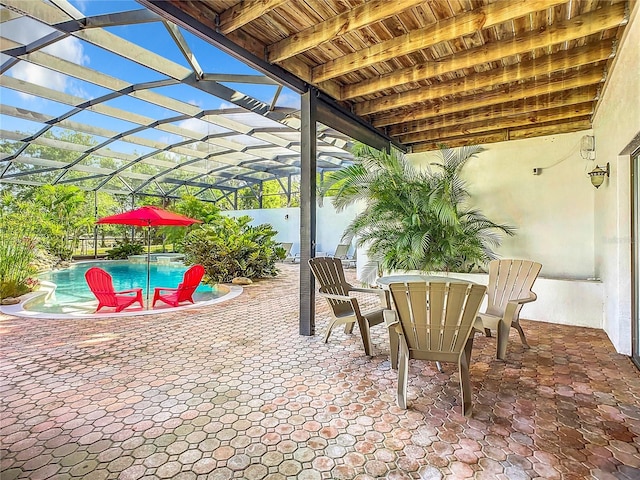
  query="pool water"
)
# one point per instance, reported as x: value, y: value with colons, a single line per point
x: 72, y: 288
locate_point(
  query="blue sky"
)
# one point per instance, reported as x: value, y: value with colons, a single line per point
x: 153, y: 37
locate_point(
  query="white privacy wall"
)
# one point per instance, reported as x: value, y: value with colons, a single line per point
x: 553, y: 211
x: 553, y: 214
x: 616, y: 123
x: 330, y: 225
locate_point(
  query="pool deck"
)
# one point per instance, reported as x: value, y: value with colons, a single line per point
x: 232, y: 390
x: 88, y: 309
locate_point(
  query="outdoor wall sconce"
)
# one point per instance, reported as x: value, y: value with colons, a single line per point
x: 597, y: 175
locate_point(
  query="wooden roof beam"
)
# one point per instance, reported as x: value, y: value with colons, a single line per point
x: 445, y: 30
x: 550, y: 128
x: 245, y: 12
x: 487, y: 114
x: 581, y: 26
x: 361, y: 16
x: 522, y: 119
x: 575, y: 79
x: 545, y: 65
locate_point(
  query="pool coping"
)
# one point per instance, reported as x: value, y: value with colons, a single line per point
x: 18, y: 310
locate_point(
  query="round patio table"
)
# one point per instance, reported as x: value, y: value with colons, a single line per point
x: 386, y: 280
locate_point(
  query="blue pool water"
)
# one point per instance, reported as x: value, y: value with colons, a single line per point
x: 72, y: 287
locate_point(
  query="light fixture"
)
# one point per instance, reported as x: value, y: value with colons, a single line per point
x: 597, y: 175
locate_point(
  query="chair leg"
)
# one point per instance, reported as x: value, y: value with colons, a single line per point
x: 503, y: 339
x: 523, y: 339
x: 487, y: 332
x: 332, y: 324
x: 403, y: 370
x: 348, y: 327
x: 439, y: 367
x: 366, y: 336
x: 465, y: 382
x: 393, y: 347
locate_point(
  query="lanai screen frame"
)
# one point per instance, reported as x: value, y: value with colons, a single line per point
x: 325, y: 128
x: 244, y: 145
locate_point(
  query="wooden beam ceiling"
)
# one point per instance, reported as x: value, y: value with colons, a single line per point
x: 453, y: 72
x: 444, y: 31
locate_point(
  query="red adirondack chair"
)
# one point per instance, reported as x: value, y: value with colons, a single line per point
x: 101, y: 285
x: 184, y: 291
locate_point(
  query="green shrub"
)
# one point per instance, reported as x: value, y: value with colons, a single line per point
x: 123, y: 249
x: 17, y: 252
x: 231, y: 247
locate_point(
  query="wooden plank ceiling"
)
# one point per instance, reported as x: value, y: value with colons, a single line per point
x: 433, y: 72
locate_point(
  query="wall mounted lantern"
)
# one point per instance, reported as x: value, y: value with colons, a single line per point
x: 597, y: 175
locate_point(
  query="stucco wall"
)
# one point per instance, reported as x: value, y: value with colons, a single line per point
x: 553, y: 211
x: 330, y: 225
x: 616, y: 123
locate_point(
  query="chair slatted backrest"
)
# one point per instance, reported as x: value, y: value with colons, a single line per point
x: 287, y: 248
x: 329, y: 274
x: 341, y: 251
x: 190, y: 282
x: 509, y: 279
x: 437, y: 316
x: 101, y: 285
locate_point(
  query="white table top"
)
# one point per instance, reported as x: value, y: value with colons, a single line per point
x: 384, y: 281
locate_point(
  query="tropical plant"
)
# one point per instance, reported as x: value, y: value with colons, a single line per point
x: 64, y: 215
x: 230, y: 247
x: 124, y: 248
x: 18, y: 242
x: 416, y: 219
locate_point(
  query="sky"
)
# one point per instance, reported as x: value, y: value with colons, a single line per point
x: 152, y: 36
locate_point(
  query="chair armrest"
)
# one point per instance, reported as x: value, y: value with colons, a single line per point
x: 510, y: 312
x: 344, y: 298
x: 531, y: 298
x: 390, y: 318
x: 133, y: 290
x: 332, y: 296
x: 166, y: 289
x: 385, y: 298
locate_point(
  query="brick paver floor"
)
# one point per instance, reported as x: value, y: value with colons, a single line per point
x: 232, y: 391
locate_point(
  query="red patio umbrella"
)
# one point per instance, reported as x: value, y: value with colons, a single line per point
x: 149, y: 216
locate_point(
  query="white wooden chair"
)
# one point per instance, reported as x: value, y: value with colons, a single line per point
x: 345, y: 310
x: 509, y: 288
x: 341, y: 251
x: 433, y: 321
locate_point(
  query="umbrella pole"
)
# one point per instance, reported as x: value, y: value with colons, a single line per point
x: 148, y: 263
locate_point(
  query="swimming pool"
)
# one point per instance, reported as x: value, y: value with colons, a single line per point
x: 72, y: 291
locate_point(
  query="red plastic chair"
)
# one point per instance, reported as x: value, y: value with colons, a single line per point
x: 184, y: 291
x: 101, y: 285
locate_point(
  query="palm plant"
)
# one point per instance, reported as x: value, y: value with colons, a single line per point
x: 416, y: 219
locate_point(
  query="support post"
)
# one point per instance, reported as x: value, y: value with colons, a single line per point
x: 133, y: 229
x: 95, y: 225
x: 307, y: 211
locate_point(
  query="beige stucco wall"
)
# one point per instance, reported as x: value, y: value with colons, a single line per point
x: 616, y: 123
x: 553, y: 211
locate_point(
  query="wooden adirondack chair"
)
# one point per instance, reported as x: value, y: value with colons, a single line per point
x: 341, y: 251
x: 433, y: 321
x: 345, y: 309
x: 509, y: 288
x: 101, y: 285
x: 291, y: 257
x: 184, y: 291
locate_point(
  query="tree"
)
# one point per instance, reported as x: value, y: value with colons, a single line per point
x: 229, y: 247
x: 416, y: 220
x: 64, y: 214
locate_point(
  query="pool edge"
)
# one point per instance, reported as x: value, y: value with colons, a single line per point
x: 18, y: 310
